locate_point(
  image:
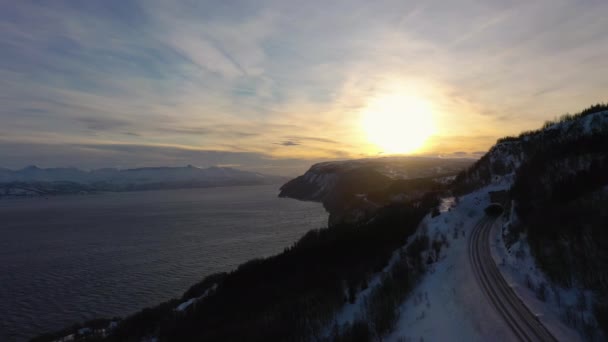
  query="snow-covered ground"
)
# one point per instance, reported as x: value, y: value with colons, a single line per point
x: 549, y: 302
x: 449, y: 305
x: 183, y: 306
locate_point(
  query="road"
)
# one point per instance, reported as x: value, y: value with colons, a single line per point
x: 518, y: 317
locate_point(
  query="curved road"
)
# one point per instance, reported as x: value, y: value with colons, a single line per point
x: 522, y: 322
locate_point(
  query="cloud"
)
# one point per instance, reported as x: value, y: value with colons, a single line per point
x: 223, y: 131
x: 314, y: 139
x: 245, y: 77
x: 91, y: 156
x: 288, y: 143
x: 102, y: 124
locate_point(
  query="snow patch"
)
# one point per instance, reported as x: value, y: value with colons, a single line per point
x: 183, y: 306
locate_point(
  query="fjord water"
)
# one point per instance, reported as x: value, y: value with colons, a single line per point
x: 72, y: 258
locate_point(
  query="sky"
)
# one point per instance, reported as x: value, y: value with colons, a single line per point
x: 274, y: 86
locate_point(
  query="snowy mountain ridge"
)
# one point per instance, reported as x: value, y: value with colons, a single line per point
x: 33, y: 180
x: 148, y: 174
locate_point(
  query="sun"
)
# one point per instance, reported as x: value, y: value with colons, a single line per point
x: 398, y: 123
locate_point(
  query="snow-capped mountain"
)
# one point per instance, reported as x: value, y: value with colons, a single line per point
x: 35, y: 180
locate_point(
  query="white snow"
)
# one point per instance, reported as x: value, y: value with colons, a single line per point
x: 183, y: 306
x: 449, y: 305
x: 518, y: 267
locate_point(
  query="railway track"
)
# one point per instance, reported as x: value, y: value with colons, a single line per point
x: 524, y: 324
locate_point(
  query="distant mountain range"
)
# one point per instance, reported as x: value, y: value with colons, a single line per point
x: 33, y: 180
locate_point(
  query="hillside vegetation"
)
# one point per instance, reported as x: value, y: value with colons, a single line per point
x: 293, y: 296
x: 505, y: 158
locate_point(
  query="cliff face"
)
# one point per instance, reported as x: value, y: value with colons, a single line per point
x: 314, y: 185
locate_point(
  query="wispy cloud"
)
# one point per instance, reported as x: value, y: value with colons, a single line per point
x: 244, y: 77
x: 102, y: 124
x: 91, y: 156
x: 288, y: 143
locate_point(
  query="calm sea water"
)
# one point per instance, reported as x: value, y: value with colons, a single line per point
x: 69, y: 259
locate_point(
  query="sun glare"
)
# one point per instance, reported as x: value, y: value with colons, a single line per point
x: 398, y: 123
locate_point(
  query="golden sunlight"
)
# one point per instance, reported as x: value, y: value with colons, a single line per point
x: 398, y: 123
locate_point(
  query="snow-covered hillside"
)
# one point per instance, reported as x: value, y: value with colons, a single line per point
x: 505, y: 158
x: 448, y: 304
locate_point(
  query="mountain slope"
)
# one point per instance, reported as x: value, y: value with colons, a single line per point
x: 353, y: 190
x: 558, y: 181
x: 364, y: 175
x: 504, y: 159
